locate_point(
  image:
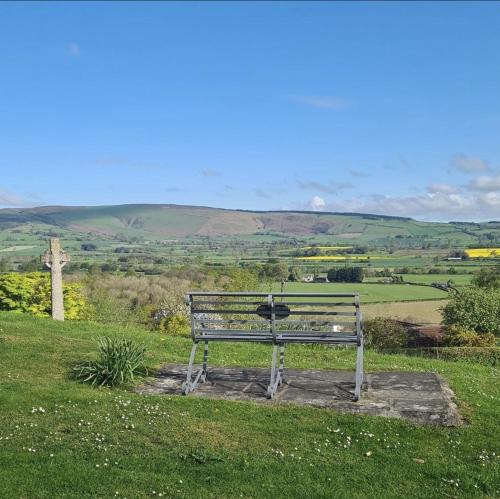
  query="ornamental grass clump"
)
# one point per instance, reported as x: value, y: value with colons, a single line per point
x: 120, y: 361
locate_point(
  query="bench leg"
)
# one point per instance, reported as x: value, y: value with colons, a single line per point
x: 205, y: 360
x: 190, y: 383
x: 282, y: 362
x: 275, y: 374
x: 359, y: 372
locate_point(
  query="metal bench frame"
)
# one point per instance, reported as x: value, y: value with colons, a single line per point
x: 204, y: 304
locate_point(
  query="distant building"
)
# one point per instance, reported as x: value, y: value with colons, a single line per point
x: 320, y: 278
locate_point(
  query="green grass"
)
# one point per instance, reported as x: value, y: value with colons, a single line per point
x: 60, y: 438
x: 458, y: 279
x: 369, y: 293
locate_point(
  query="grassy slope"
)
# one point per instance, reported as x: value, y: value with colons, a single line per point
x: 179, y: 221
x: 102, y: 443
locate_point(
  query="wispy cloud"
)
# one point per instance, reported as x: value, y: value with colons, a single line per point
x: 210, y: 173
x: 468, y: 164
x: 485, y: 183
x: 323, y: 102
x: 428, y: 206
x: 8, y: 199
x: 330, y: 187
x: 445, y: 188
x: 73, y: 49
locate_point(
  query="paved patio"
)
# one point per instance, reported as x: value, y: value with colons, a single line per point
x: 420, y: 397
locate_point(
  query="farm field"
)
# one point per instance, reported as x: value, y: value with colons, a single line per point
x: 369, y: 293
x: 419, y: 312
x: 458, y: 279
x: 60, y: 438
x: 483, y: 252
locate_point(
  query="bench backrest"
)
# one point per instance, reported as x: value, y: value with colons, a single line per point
x: 277, y: 317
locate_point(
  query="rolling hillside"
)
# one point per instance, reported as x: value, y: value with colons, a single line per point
x: 174, y: 221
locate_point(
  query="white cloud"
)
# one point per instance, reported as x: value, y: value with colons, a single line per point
x: 442, y: 206
x: 469, y: 164
x: 444, y: 188
x: 317, y: 203
x: 73, y: 49
x: 485, y: 183
x: 335, y: 103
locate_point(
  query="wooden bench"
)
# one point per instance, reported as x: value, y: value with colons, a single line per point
x: 275, y: 318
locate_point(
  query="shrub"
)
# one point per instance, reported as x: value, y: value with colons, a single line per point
x: 175, y: 324
x: 346, y: 274
x: 31, y: 293
x: 475, y: 309
x: 456, y: 336
x: 120, y: 360
x: 487, y: 278
x: 129, y: 300
x: 381, y: 333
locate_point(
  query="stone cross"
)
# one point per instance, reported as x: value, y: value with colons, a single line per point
x: 55, y: 259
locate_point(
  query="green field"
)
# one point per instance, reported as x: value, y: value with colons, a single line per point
x: 59, y: 438
x: 458, y: 279
x: 369, y: 293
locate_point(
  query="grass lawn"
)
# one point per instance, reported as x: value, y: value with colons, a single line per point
x: 369, y: 293
x: 59, y: 438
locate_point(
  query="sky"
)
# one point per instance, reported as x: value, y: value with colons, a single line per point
x: 388, y: 108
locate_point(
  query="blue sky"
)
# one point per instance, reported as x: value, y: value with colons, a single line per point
x: 389, y: 108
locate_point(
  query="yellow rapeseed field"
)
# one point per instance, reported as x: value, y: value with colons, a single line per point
x: 338, y: 257
x: 483, y: 253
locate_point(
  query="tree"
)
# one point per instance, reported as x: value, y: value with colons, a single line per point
x: 242, y: 280
x: 295, y: 274
x: 89, y: 247
x: 4, y: 265
x: 347, y: 274
x: 31, y: 265
x: 475, y: 309
x: 276, y: 271
x: 382, y: 332
x: 487, y: 278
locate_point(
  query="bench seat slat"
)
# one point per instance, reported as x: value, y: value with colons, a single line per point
x: 254, y: 312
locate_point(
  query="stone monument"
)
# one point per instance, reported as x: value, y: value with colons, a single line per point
x: 55, y: 259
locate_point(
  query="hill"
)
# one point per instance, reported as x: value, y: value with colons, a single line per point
x: 148, y: 221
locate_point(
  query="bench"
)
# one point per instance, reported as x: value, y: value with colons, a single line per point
x: 277, y: 319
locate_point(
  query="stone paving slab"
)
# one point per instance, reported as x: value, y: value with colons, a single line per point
x: 420, y: 397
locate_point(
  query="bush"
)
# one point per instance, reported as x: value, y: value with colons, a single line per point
x: 381, y: 333
x: 175, y: 324
x: 456, y: 336
x: 475, y: 309
x: 120, y: 360
x: 346, y: 274
x: 487, y: 278
x: 31, y: 293
x: 133, y: 299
